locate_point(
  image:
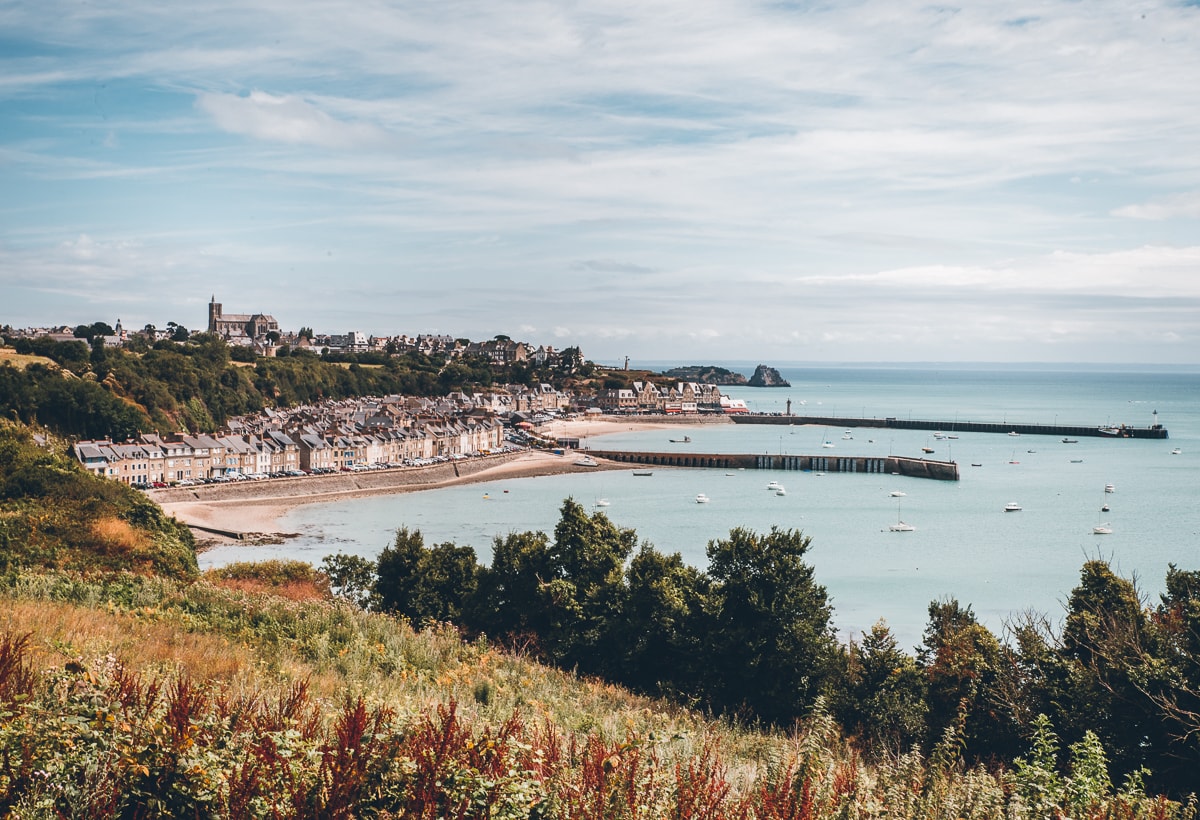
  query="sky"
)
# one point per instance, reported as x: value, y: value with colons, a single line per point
x: 700, y: 181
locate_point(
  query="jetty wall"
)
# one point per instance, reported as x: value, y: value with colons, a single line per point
x: 886, y: 465
x: 1156, y: 431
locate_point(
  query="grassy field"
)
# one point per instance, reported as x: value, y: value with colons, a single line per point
x: 23, y: 360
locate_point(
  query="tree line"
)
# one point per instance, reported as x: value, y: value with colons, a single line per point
x: 751, y: 637
x: 197, y: 385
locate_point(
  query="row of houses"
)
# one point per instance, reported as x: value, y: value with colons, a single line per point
x: 153, y: 459
x: 647, y: 397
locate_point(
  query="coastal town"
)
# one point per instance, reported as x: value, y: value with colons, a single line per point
x: 367, y: 433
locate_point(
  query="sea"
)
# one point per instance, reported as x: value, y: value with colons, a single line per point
x: 964, y: 545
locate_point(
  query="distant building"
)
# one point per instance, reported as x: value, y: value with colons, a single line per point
x: 239, y: 327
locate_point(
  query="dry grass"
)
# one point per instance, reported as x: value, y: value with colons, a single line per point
x: 23, y: 360
x: 292, y: 591
x: 139, y: 640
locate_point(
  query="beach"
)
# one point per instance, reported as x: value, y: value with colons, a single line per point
x: 251, y: 510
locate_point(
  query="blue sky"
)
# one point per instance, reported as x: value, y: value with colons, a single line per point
x: 864, y: 181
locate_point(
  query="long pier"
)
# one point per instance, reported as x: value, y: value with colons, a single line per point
x: 884, y: 465
x: 1155, y: 431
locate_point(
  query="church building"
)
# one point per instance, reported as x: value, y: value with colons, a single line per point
x: 239, y: 327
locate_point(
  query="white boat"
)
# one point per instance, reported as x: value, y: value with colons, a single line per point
x: 1105, y: 507
x: 828, y: 444
x: 926, y: 449
x: 900, y: 525
x: 1109, y: 431
x: 643, y: 472
x: 1109, y: 488
x: 1102, y: 529
x: 586, y: 461
x: 684, y: 440
x: 701, y: 498
x: 847, y: 437
x: 939, y: 435
x: 897, y: 493
x: 1013, y: 433
x: 1070, y: 441
x: 1012, y: 506
x: 601, y: 502
x: 773, y: 485
x: 781, y: 491
x: 1176, y: 452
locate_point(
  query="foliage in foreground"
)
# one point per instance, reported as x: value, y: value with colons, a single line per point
x: 319, y: 720
x: 751, y: 636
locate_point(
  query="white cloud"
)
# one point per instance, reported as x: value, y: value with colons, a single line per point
x: 287, y: 119
x: 1186, y: 205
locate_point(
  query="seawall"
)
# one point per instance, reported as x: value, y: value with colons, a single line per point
x: 912, y: 467
x: 1156, y: 431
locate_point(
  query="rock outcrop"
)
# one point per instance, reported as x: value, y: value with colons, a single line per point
x: 767, y: 377
x: 707, y: 374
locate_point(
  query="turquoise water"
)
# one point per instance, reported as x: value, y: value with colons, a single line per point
x: 964, y: 545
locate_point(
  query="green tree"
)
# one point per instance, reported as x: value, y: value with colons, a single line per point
x: 661, y: 626
x: 771, y: 646
x: 962, y: 660
x: 351, y: 577
x: 398, y: 575
x: 881, y: 700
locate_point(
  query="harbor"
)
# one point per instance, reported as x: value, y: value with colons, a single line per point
x: 1154, y: 431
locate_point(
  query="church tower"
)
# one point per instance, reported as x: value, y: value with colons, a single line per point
x: 214, y: 314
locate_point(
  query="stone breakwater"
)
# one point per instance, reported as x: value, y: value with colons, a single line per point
x: 891, y: 465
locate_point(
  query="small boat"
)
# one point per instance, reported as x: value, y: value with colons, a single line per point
x: 1012, y: 506
x: 1105, y: 508
x: 1013, y: 433
x: 701, y: 498
x: 1110, y: 488
x: 1070, y: 441
x: 773, y: 485
x: 1102, y: 529
x: 684, y: 440
x: 586, y: 461
x: 976, y: 464
x: 897, y: 493
x: 1031, y: 451
x: 900, y: 525
x: 939, y: 435
x: 1109, y: 431
x: 643, y: 472
x: 926, y: 449
x: 847, y: 437
x: 1077, y: 461
x: 952, y: 436
x: 828, y: 444
x: 601, y: 502
x: 781, y: 491
x: 1176, y: 452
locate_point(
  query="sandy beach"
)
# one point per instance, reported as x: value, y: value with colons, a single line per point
x: 250, y: 511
